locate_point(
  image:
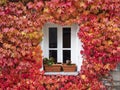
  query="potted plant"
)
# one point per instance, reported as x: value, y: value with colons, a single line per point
x: 50, y: 66
x: 68, y: 67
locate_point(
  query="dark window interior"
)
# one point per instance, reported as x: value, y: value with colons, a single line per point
x: 66, y: 55
x: 66, y: 37
x: 52, y: 37
x: 53, y: 53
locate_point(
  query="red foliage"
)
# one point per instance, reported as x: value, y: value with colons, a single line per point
x: 20, y: 34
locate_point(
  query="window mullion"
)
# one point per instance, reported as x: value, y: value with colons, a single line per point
x: 59, y: 44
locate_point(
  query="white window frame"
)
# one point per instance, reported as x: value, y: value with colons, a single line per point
x: 76, y: 45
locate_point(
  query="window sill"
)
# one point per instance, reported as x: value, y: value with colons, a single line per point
x: 62, y: 73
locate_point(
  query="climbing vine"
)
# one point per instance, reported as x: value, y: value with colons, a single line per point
x: 21, y: 23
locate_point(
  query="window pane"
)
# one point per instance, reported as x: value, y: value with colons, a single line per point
x: 52, y: 37
x: 66, y: 55
x: 53, y: 53
x: 66, y: 37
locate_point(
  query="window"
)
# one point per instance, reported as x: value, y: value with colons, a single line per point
x: 62, y: 43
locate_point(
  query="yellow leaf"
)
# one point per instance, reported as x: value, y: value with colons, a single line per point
x: 1, y: 35
x: 46, y: 10
x: 107, y: 66
x: 59, y: 11
x: 110, y: 42
x: 82, y: 4
x: 89, y: 89
x: 23, y: 33
x: 83, y: 77
x: 33, y: 53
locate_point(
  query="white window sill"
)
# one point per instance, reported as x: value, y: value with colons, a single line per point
x: 62, y: 73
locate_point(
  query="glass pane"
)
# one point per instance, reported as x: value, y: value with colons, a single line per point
x: 66, y: 55
x: 52, y: 37
x: 66, y: 37
x: 53, y: 53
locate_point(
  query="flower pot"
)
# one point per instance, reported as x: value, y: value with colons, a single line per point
x: 69, y: 68
x: 52, y: 68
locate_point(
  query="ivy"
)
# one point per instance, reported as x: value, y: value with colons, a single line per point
x: 21, y: 23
